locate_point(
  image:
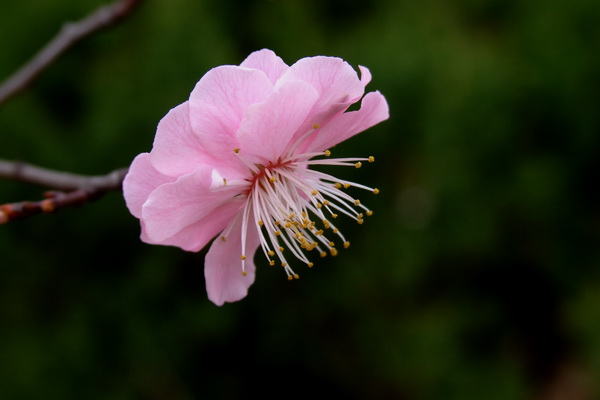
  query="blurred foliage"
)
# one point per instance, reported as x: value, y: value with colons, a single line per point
x: 478, y: 277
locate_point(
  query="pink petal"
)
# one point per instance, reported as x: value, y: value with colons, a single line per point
x: 268, y: 127
x: 140, y: 181
x: 195, y: 236
x: 374, y: 109
x: 335, y: 80
x: 222, y: 270
x: 365, y: 75
x: 174, y: 206
x: 218, y: 104
x: 177, y: 150
x: 266, y: 61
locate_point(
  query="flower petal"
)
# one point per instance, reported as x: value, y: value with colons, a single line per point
x: 268, y: 62
x: 140, y: 181
x: 177, y: 150
x: 335, y: 80
x: 222, y: 265
x: 195, y: 236
x: 268, y: 127
x: 374, y: 109
x: 174, y: 206
x: 218, y: 104
x: 365, y: 75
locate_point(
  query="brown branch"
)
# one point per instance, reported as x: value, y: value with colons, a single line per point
x: 72, y: 190
x: 23, y: 172
x: 70, y: 34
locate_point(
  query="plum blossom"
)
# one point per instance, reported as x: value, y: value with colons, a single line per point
x: 235, y: 162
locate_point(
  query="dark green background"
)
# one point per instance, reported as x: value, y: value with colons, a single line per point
x: 478, y: 276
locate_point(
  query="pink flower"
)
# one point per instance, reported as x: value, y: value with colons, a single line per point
x: 235, y: 161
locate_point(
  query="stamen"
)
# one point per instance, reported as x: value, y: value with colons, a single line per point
x: 244, y: 161
x: 286, y: 200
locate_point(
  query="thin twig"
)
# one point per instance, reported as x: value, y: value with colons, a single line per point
x: 71, y: 189
x: 52, y: 203
x: 23, y: 172
x: 70, y: 34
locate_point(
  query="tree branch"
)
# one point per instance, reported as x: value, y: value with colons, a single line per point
x: 72, y: 190
x: 70, y: 34
x: 23, y: 172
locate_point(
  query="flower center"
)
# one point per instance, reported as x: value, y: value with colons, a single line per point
x: 292, y: 207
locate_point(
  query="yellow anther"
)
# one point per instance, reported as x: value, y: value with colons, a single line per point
x: 369, y: 213
x: 333, y: 252
x: 319, y: 205
x: 296, y: 276
x: 334, y: 215
x: 280, y: 249
x: 314, y: 193
x: 292, y: 216
x: 244, y: 273
x: 337, y: 185
x: 346, y: 245
x: 310, y: 265
x: 224, y: 182
x: 360, y: 216
x: 331, y: 244
x: 356, y: 202
x: 260, y: 223
x: 290, y: 277
x: 323, y: 254
x: 271, y: 253
x: 316, y: 126
x: 277, y: 233
x: 242, y: 257
x: 358, y: 164
x: 346, y: 185
x: 327, y: 153
x: 271, y: 263
x: 335, y: 230
x: 272, y: 179
x: 288, y: 225
x: 375, y: 191
x: 360, y: 221
x: 371, y: 159
x: 325, y: 203
x: 304, y: 215
x: 284, y: 264
x: 236, y: 150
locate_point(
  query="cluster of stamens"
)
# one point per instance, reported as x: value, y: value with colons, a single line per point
x: 292, y: 207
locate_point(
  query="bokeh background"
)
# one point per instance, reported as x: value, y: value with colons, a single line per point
x: 478, y: 276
